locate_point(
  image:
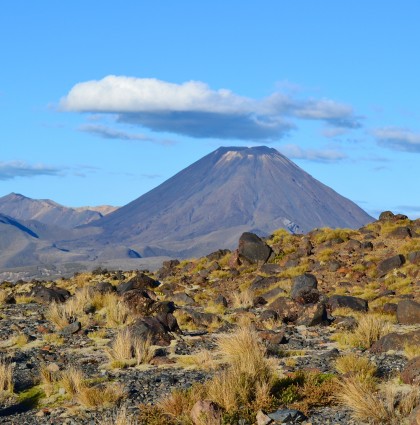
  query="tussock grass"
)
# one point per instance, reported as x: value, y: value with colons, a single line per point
x: 72, y: 381
x: 355, y: 365
x: 411, y: 351
x: 326, y: 234
x: 120, y: 417
x: 243, y: 299
x: 389, y: 404
x: 6, y: 377
x: 3, y: 296
x: 77, y: 387
x: 112, y: 311
x: 179, y: 403
x: 49, y: 380
x: 53, y: 338
x: 370, y: 328
x: 129, y: 351
x: 202, y: 360
x: 101, y: 395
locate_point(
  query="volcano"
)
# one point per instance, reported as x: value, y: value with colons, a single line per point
x: 209, y: 204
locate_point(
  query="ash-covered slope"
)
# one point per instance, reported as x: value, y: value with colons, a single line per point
x: 210, y: 203
x: 46, y: 211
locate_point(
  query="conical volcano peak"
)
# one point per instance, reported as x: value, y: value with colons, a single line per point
x: 243, y: 151
x: 229, y: 191
x: 228, y: 154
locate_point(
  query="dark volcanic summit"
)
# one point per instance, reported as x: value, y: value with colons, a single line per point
x: 209, y: 204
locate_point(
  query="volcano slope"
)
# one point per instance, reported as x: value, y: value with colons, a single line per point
x: 211, y: 203
x: 318, y: 328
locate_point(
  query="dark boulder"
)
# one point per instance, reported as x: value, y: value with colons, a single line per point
x: 48, y: 295
x: 389, y: 264
x: 312, y: 315
x: 345, y: 301
x: 304, y: 289
x: 155, y: 328
x: 408, y: 312
x: 261, y: 283
x: 138, y: 302
x: 104, y: 287
x: 217, y: 255
x: 411, y: 373
x: 400, y: 233
x: 395, y: 341
x: 253, y: 249
x: 140, y: 281
x: 287, y: 309
x: 414, y: 257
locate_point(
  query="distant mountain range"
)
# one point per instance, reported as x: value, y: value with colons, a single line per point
x: 204, y: 207
x: 49, y: 212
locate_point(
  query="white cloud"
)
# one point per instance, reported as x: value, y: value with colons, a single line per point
x: 12, y: 169
x: 398, y: 139
x: 194, y: 109
x: 111, y: 133
x: 326, y: 155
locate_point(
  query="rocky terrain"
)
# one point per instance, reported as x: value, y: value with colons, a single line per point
x: 316, y: 328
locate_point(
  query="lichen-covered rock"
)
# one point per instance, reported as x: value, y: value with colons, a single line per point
x: 389, y: 264
x: 408, y: 312
x: 345, y: 301
x: 411, y: 372
x: 395, y: 341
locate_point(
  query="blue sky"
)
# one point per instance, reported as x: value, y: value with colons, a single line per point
x: 101, y: 101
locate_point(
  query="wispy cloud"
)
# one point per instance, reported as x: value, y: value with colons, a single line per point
x: 13, y: 169
x: 195, y: 110
x: 111, y: 133
x: 398, y: 139
x: 326, y: 155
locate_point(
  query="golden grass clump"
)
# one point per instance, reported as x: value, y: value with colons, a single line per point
x: 389, y: 404
x: 129, y: 351
x: 411, y: 351
x: 370, y: 328
x: 120, y: 417
x: 201, y: 360
x: 6, y: 377
x: 3, y: 296
x: 101, y: 395
x: 326, y: 234
x: 77, y: 387
x: 112, y: 311
x: 249, y: 372
x: 355, y: 365
x: 243, y: 299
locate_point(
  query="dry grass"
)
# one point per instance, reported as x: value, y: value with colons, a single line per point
x: 120, y: 417
x: 20, y: 340
x: 388, y: 405
x: 3, y: 296
x: 243, y: 299
x: 72, y: 381
x: 249, y: 372
x: 355, y: 365
x: 327, y: 234
x: 203, y: 360
x: 53, y: 338
x: 370, y: 328
x: 180, y: 402
x: 49, y: 380
x: 411, y: 351
x: 77, y: 387
x: 6, y: 377
x: 101, y: 395
x: 128, y: 351
x: 111, y: 311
